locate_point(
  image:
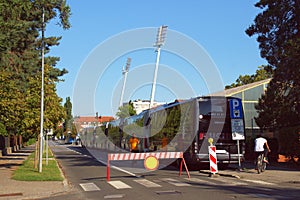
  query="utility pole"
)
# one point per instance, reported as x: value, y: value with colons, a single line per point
x: 161, y: 35
x: 124, y: 72
x: 42, y: 97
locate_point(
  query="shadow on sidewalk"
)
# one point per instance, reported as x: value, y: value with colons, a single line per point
x: 16, y: 158
x: 288, y: 166
x: 10, y: 165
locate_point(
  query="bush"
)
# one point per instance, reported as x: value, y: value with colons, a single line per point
x: 289, y: 143
x: 31, y: 141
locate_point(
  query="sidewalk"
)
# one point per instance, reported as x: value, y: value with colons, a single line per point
x: 12, y: 189
x: 277, y: 173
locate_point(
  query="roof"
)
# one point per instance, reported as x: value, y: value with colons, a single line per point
x: 232, y: 91
x: 100, y: 119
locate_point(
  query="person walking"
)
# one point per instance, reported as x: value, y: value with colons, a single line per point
x: 164, y: 142
x: 134, y: 144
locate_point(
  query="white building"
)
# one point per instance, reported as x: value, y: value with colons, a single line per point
x: 141, y: 105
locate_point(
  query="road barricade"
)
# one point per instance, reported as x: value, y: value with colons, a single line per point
x: 151, y: 159
x: 213, y: 159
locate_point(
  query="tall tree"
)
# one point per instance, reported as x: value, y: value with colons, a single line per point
x: 278, y: 32
x: 20, y: 64
x: 126, y: 110
x: 69, y: 117
x: 263, y: 72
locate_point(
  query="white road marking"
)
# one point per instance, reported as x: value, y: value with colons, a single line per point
x: 228, y: 181
x: 197, y: 180
x: 175, y: 182
x: 147, y: 183
x: 88, y: 187
x: 114, y: 196
x: 75, y: 151
x: 117, y: 168
x: 119, y: 185
x: 123, y: 170
x: 259, y: 182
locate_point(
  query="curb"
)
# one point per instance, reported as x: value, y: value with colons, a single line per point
x: 219, y: 174
x: 65, y: 181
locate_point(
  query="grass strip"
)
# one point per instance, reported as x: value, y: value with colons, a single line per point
x: 27, y: 172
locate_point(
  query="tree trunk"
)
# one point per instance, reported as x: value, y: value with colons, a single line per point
x: 36, y: 154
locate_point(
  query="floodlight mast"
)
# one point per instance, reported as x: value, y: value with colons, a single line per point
x: 124, y: 72
x: 161, y: 36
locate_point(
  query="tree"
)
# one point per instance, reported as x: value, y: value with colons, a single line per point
x: 263, y: 72
x: 20, y: 63
x: 126, y: 110
x: 68, y: 119
x: 278, y: 31
x: 54, y: 111
x: 2, y: 130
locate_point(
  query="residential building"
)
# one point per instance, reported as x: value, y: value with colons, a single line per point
x: 141, y: 105
x: 87, y: 121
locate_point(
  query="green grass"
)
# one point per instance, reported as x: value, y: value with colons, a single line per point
x: 26, y: 171
x: 31, y: 141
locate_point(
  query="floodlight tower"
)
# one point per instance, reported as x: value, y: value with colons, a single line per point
x: 124, y: 72
x: 161, y: 36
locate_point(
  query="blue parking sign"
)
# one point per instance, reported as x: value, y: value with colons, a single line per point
x: 236, y: 109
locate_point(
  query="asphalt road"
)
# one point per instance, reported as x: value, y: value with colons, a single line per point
x: 87, y: 176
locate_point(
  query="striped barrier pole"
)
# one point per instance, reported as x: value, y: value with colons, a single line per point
x: 213, y: 160
x: 212, y: 157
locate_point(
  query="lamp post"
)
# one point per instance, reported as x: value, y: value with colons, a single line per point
x: 42, y: 98
x: 124, y: 72
x: 161, y: 35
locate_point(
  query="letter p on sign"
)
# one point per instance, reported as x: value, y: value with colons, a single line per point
x: 236, y: 111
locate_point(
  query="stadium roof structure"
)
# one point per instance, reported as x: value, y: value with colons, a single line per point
x: 242, y: 88
x: 249, y: 94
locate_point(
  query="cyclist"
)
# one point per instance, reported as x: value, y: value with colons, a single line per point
x: 261, y: 146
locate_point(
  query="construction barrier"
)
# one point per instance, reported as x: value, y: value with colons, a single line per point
x: 151, y: 159
x: 213, y: 159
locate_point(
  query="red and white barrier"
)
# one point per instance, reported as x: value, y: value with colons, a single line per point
x: 213, y: 159
x: 143, y: 156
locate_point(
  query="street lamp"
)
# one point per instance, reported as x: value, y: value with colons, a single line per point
x: 124, y: 72
x: 161, y: 36
x: 42, y: 98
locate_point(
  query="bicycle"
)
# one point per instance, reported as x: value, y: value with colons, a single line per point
x: 260, y: 164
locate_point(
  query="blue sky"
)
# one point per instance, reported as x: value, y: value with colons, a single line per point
x: 217, y: 26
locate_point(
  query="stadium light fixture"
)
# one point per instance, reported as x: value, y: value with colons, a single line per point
x: 160, y: 40
x: 124, y: 72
